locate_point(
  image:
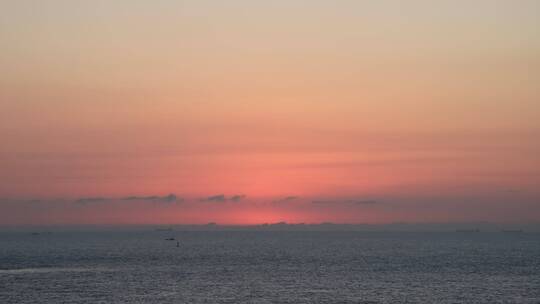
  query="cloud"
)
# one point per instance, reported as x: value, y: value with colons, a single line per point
x: 140, y: 198
x: 214, y: 198
x: 223, y: 198
x: 86, y: 200
x: 171, y: 198
x: 237, y: 198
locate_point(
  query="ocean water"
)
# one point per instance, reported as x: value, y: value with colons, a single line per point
x: 269, y: 267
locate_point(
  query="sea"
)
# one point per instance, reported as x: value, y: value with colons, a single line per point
x: 142, y: 266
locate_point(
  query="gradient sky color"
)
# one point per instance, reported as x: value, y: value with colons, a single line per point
x: 343, y: 111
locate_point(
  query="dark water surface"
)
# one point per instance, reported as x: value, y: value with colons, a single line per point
x: 269, y: 267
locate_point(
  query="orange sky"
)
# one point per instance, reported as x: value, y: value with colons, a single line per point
x: 429, y: 110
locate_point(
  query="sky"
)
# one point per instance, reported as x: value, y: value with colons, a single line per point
x: 249, y: 112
